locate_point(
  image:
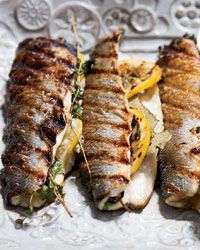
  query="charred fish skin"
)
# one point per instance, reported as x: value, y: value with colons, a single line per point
x: 36, y: 112
x: 106, y: 124
x: 180, y: 92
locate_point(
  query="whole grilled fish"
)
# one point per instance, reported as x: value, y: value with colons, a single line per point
x: 106, y: 125
x: 37, y: 108
x: 180, y: 96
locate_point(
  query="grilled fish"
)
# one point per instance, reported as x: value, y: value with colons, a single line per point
x: 180, y: 92
x: 38, y: 104
x: 106, y: 125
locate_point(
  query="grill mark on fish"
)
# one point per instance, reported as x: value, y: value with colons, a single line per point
x: 100, y: 75
x: 110, y: 55
x: 31, y: 59
x: 178, y: 81
x: 122, y: 111
x: 36, y: 174
x: 111, y: 90
x: 104, y: 94
x: 40, y: 106
x: 34, y: 66
x: 180, y: 91
x: 116, y: 143
x: 20, y: 115
x: 114, y: 125
x: 26, y: 117
x: 11, y: 159
x: 118, y: 178
x: 40, y: 79
x: 177, y: 97
x: 47, y: 50
x: 21, y: 91
x: 171, y: 188
x: 175, y: 115
x: 108, y: 157
x: 105, y: 72
x: 40, y: 43
x: 184, y: 89
x: 104, y: 102
x: 118, y: 154
x: 25, y: 75
x: 20, y: 175
x: 60, y: 74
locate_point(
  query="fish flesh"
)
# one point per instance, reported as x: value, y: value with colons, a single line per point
x: 180, y: 97
x: 38, y: 102
x: 106, y: 125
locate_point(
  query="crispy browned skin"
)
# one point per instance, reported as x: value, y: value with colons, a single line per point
x: 106, y: 124
x: 180, y: 96
x: 40, y: 79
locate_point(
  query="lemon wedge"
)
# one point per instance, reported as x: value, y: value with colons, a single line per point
x: 72, y: 134
x: 140, y: 139
x: 149, y: 82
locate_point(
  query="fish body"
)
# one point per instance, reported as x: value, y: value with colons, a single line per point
x: 106, y: 124
x: 37, y: 109
x: 180, y: 97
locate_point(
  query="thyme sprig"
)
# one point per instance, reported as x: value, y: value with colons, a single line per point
x: 51, y: 190
x: 47, y: 192
x: 59, y: 195
x: 82, y: 69
x: 83, y: 152
x: 77, y: 97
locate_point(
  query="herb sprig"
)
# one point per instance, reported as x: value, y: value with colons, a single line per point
x: 77, y: 97
x: 82, y: 68
x: 51, y: 190
x: 47, y: 192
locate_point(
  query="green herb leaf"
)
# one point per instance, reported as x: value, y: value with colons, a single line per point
x: 57, y: 169
x: 108, y: 206
x: 47, y: 193
x: 77, y: 96
x: 82, y: 69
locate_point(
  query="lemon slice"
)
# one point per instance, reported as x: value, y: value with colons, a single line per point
x: 72, y: 134
x: 140, y: 142
x: 149, y: 82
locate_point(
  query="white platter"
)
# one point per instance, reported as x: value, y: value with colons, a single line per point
x: 157, y: 227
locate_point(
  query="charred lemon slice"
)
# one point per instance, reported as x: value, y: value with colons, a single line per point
x: 154, y: 77
x: 140, y: 139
